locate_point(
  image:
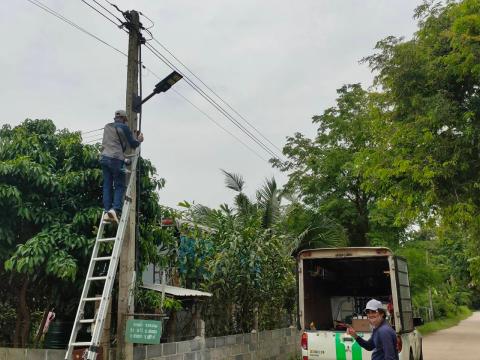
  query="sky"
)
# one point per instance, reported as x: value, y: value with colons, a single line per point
x: 276, y: 62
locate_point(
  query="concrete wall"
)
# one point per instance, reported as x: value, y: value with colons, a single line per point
x: 273, y: 344
x: 31, y: 354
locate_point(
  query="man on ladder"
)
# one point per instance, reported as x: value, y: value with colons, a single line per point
x: 117, y: 137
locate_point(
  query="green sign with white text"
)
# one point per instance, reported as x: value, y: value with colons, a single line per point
x: 143, y: 331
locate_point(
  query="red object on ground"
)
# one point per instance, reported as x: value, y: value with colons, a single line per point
x: 167, y: 221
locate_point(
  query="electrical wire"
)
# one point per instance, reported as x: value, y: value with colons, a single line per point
x: 209, y: 117
x: 212, y: 102
x: 204, y: 84
x: 140, y: 87
x: 94, y: 141
x: 209, y: 99
x: 106, y: 17
x: 71, y: 23
x: 213, y: 92
x: 220, y: 126
x: 116, y: 7
x: 111, y: 13
x: 146, y: 17
x: 91, y: 136
x: 138, y: 169
x: 90, y: 131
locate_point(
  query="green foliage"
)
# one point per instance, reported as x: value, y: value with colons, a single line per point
x: 242, y: 255
x: 324, y: 171
x: 399, y: 166
x: 462, y: 313
x: 428, y: 148
x: 7, y: 321
x: 149, y: 301
x: 426, y: 161
x: 50, y: 197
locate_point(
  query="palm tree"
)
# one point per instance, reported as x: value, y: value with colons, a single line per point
x: 301, y: 227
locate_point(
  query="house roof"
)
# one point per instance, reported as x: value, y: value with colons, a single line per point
x: 177, y: 291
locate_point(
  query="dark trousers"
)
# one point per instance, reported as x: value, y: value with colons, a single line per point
x: 113, y: 183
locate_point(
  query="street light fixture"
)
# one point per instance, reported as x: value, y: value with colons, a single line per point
x: 162, y: 86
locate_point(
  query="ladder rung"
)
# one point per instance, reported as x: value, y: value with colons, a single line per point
x: 97, y: 278
x: 98, y: 298
x: 83, y: 343
x: 87, y: 321
x: 102, y: 258
x: 106, y: 239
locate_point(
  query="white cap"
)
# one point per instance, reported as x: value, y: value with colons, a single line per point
x: 122, y: 113
x: 374, y: 305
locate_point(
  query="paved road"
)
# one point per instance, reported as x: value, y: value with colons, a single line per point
x: 461, y: 342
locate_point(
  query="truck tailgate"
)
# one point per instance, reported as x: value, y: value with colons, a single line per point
x: 334, y: 345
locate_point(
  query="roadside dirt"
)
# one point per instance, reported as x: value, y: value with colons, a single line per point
x: 461, y: 342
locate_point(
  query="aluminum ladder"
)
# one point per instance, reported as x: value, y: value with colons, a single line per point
x: 99, y: 258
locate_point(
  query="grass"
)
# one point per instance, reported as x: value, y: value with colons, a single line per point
x: 430, y: 327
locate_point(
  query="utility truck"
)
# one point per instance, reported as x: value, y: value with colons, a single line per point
x: 334, y: 285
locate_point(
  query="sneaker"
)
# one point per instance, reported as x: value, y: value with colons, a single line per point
x: 112, y: 215
x: 106, y: 218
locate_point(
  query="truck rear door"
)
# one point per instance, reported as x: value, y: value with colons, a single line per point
x: 402, y: 300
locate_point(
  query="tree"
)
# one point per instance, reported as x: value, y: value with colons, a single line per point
x: 428, y: 154
x: 323, y: 171
x: 243, y: 255
x: 426, y: 163
x: 50, y: 196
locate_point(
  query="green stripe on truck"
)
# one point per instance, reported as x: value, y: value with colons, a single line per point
x: 340, y: 351
x: 356, y: 351
x: 340, y: 347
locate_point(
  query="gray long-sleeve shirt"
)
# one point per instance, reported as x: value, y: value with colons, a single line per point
x: 383, y: 343
x: 116, y: 138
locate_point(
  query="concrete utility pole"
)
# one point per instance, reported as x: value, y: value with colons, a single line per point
x: 126, y: 281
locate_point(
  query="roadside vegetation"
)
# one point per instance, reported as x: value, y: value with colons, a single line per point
x: 463, y: 313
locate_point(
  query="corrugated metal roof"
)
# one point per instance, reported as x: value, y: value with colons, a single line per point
x: 177, y: 291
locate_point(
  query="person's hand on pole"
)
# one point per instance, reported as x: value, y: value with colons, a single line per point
x: 140, y: 137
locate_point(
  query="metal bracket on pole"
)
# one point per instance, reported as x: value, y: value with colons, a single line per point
x: 137, y: 104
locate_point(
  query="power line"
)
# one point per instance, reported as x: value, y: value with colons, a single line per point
x: 210, y: 118
x: 71, y: 23
x: 146, y: 17
x: 212, y: 101
x: 94, y: 141
x: 90, y: 131
x: 115, y: 6
x: 106, y: 17
x: 204, y: 84
x: 91, y: 136
x: 220, y: 126
x: 192, y: 84
x: 213, y: 92
x: 111, y: 13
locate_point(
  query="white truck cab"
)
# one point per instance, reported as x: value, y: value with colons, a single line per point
x: 334, y: 285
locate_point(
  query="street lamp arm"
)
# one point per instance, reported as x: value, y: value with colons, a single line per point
x: 162, y: 86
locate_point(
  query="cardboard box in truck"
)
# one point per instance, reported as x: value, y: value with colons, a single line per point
x: 361, y: 325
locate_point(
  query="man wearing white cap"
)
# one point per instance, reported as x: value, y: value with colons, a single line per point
x: 383, y: 341
x: 116, y: 138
